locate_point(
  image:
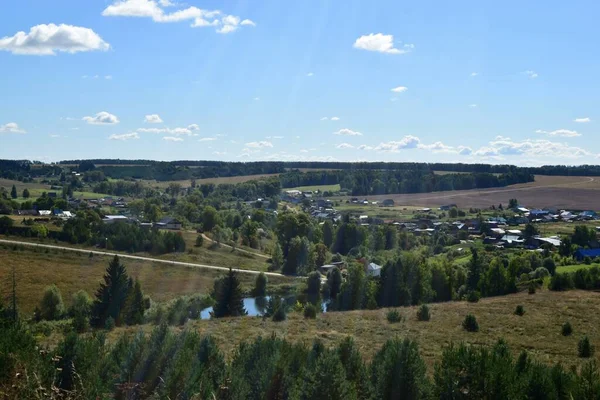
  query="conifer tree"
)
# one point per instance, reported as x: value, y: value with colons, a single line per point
x: 135, y: 305
x: 13, y: 192
x: 112, y: 294
x: 229, y: 297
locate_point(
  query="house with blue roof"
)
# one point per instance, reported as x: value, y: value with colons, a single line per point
x: 580, y: 254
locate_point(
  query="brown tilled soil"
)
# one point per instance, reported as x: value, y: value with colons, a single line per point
x: 568, y: 192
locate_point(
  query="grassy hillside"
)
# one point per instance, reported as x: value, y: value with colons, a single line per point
x: 36, y: 269
x: 538, y: 331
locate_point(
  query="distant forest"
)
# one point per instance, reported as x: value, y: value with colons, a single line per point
x: 355, y: 178
x: 269, y: 167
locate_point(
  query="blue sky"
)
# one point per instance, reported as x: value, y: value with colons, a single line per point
x: 469, y: 81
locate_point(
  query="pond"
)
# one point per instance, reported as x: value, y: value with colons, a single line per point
x: 256, y: 306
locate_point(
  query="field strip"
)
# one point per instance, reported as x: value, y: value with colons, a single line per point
x: 237, y: 248
x: 157, y: 260
x: 504, y: 190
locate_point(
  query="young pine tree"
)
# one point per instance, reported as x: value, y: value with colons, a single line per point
x: 112, y: 294
x: 13, y: 192
x: 135, y: 305
x: 229, y: 297
x: 260, y: 285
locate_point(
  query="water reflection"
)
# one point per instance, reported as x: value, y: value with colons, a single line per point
x: 257, y: 306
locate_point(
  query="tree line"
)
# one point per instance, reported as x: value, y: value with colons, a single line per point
x: 375, y: 182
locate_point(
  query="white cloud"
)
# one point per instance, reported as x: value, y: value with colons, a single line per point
x: 199, y: 17
x: 534, y: 148
x: 474, y: 73
x: 486, y: 152
x: 380, y: 43
x: 11, y: 127
x: 324, y: 118
x: 172, y: 131
x: 219, y: 153
x: 125, y: 136
x: 335, y: 118
x: 347, y: 132
x: 399, y: 89
x: 364, y: 147
x: 207, y: 139
x: 54, y: 136
x: 153, y: 119
x: 102, y: 118
x: 108, y: 77
x: 582, y: 120
x: 560, y: 132
x: 172, y: 139
x: 274, y: 137
x: 256, y: 98
x: 531, y: 74
x: 464, y: 150
x: 44, y: 40
x: 437, y: 147
x: 344, y: 146
x: 259, y: 145
x: 407, y: 142
x: 310, y: 74
x: 303, y: 151
x: 330, y: 119
x: 473, y: 105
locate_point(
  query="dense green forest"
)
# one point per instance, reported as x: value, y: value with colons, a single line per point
x: 368, y: 181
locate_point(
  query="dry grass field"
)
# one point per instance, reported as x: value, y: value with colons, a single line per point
x: 538, y: 331
x: 35, y: 269
x: 568, y: 192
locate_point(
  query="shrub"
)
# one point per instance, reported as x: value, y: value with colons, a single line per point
x: 109, y: 324
x: 199, y: 241
x: 310, y: 311
x: 560, y: 282
x: 473, y: 296
x: 550, y: 265
x: 519, y: 310
x: 587, y: 260
x: 532, y: 287
x: 393, y: 316
x: 81, y: 307
x: 584, y: 348
x: 279, y: 315
x: 276, y: 309
x: 540, y: 272
x: 470, y: 323
x: 52, y: 306
x: 567, y: 329
x: 423, y: 314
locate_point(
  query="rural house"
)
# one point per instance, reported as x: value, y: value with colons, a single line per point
x: 168, y: 223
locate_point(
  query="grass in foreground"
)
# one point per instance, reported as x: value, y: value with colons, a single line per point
x: 36, y: 269
x: 539, y: 333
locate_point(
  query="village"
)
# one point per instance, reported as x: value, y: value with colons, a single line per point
x: 503, y: 228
